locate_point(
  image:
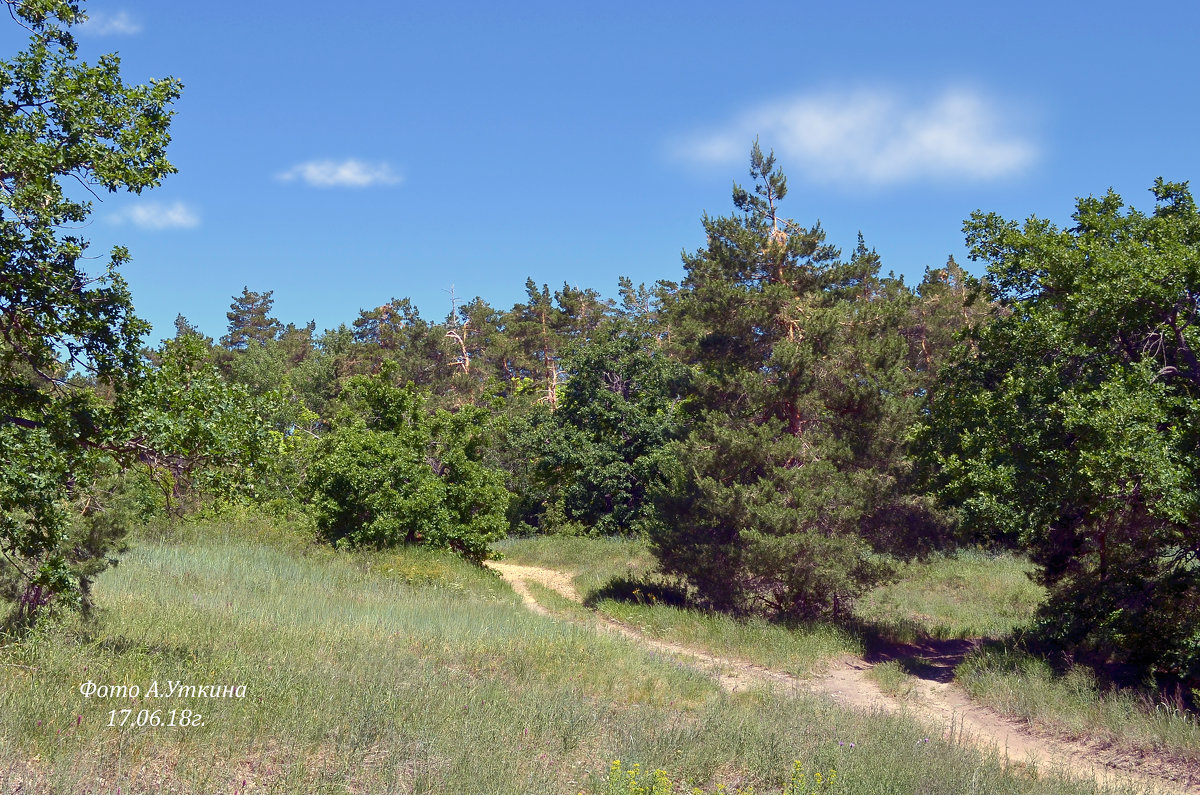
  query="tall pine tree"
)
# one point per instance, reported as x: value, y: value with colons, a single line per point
x: 798, y: 409
x: 250, y: 320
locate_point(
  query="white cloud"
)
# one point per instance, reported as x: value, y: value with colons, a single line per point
x: 875, y: 137
x: 341, y: 174
x: 118, y: 24
x: 151, y: 215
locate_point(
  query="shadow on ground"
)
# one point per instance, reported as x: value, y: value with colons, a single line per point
x: 929, y: 658
x: 639, y: 590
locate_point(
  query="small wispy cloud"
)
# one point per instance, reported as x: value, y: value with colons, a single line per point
x: 152, y: 215
x: 119, y: 24
x: 349, y: 173
x: 875, y: 137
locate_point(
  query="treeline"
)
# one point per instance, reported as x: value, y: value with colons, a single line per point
x: 765, y: 399
x: 782, y: 424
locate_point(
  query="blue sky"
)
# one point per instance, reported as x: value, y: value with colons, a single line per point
x: 343, y: 157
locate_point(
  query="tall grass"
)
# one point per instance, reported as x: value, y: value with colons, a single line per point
x: 406, y: 673
x: 1074, y: 705
x: 967, y: 595
x: 598, y: 563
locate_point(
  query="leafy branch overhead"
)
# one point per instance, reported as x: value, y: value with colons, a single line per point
x: 67, y: 130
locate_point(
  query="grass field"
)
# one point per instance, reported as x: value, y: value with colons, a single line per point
x: 407, y: 673
x: 1072, y: 705
x: 968, y: 595
x: 971, y: 595
x: 599, y: 561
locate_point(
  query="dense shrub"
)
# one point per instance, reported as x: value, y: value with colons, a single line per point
x: 391, y: 472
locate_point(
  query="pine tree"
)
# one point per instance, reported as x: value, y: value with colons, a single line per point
x: 534, y: 331
x: 798, y: 412
x: 250, y: 321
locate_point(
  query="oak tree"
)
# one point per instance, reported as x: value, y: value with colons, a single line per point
x: 1069, y: 425
x: 68, y: 129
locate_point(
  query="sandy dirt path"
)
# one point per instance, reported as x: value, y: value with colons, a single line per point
x: 944, y: 706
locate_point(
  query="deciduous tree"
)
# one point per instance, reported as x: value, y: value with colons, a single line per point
x: 391, y: 472
x: 1070, y: 425
x: 596, y: 459
x: 67, y: 129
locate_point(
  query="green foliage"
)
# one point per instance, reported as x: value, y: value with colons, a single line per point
x: 1069, y: 425
x: 105, y: 503
x: 63, y: 330
x: 113, y: 501
x: 632, y: 780
x: 250, y: 321
x: 396, y: 332
x: 596, y: 458
x: 391, y: 473
x: 195, y: 434
x: 318, y: 377
x: 185, y: 435
x: 805, y: 388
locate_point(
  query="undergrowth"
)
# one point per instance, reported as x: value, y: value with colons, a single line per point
x: 1073, y: 704
x: 404, y: 673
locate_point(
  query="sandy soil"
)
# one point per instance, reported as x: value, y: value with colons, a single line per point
x: 938, y: 702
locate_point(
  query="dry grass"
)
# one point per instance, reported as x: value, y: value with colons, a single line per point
x: 406, y: 673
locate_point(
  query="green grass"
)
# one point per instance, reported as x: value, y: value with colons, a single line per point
x: 893, y: 679
x: 406, y: 673
x: 968, y: 595
x: 1072, y: 705
x: 597, y: 562
x: 797, y: 650
x: 561, y: 606
x: 594, y: 562
x: 976, y: 595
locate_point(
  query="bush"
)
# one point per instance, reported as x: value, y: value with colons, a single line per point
x: 105, y: 507
x: 391, y: 473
